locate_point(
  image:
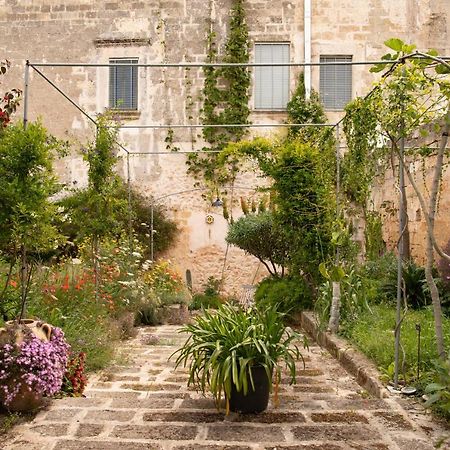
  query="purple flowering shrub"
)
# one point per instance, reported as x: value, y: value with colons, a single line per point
x: 40, y: 365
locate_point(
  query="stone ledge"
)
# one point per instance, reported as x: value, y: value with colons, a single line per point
x: 122, y: 42
x: 352, y: 360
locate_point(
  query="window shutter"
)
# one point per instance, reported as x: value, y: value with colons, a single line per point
x: 123, y: 84
x: 271, y: 83
x: 335, y: 82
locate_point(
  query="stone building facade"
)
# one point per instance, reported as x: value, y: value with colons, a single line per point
x: 174, y: 31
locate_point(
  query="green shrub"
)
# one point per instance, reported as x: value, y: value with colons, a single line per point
x: 260, y: 236
x: 291, y: 294
x: 165, y: 229
x: 439, y: 390
x: 357, y: 293
x: 203, y: 301
x: 414, y: 286
x: 210, y: 297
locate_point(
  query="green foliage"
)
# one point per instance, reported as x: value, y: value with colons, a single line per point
x: 100, y: 156
x: 301, y: 110
x: 400, y: 48
x: 414, y: 285
x: 75, y: 206
x: 210, y: 297
x: 440, y: 389
x: 223, y: 346
x: 357, y: 293
x: 99, y: 217
x: 290, y: 294
x: 415, y: 96
x: 224, y: 105
x: 305, y: 204
x: 373, y: 233
x: 27, y: 182
x: 259, y: 235
x: 373, y: 333
x: 358, y: 165
x: 303, y: 197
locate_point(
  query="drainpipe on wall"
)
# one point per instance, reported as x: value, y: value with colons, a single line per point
x: 307, y: 33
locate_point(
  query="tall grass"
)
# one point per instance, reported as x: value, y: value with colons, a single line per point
x: 373, y: 333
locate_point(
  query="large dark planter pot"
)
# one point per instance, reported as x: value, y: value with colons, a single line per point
x: 256, y: 400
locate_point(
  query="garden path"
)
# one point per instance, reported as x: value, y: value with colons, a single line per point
x: 144, y: 404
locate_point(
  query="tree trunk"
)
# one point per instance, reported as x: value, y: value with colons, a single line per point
x: 23, y: 280
x: 5, y: 288
x: 437, y: 178
x: 405, y: 220
x: 333, y: 324
x: 430, y: 214
x: 96, y: 266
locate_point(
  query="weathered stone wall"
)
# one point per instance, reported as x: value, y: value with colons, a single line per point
x: 174, y: 31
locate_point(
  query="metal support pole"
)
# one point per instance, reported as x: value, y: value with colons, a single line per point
x: 338, y: 183
x: 307, y: 47
x: 151, y: 231
x: 25, y: 94
x: 399, y: 263
x: 130, y: 222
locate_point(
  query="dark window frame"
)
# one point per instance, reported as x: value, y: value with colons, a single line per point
x: 129, y: 101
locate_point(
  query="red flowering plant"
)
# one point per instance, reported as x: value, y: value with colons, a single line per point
x: 10, y: 100
x: 75, y: 379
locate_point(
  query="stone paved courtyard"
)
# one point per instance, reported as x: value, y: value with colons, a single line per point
x: 144, y: 404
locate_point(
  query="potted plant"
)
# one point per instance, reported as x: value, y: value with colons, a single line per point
x: 239, y: 353
x: 31, y: 367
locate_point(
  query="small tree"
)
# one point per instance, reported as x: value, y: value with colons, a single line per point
x: 413, y: 98
x: 304, y: 200
x: 27, y: 182
x: 260, y: 236
x: 166, y: 228
x: 102, y: 211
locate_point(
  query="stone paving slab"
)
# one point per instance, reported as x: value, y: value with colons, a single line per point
x: 145, y: 404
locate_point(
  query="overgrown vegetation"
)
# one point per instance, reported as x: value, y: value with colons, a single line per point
x: 210, y: 297
x: 140, y: 215
x: 225, y: 97
x: 290, y: 294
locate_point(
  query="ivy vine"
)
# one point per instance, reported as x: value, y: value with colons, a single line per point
x: 358, y: 165
x: 225, y: 98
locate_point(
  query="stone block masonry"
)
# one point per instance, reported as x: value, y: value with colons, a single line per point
x: 175, y: 31
x: 172, y: 416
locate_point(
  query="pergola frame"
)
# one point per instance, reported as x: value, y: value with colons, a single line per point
x: 393, y: 63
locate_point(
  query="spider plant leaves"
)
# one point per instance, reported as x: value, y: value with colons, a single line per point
x: 222, y: 348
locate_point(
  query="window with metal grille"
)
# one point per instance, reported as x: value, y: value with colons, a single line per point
x: 123, y: 84
x: 335, y: 82
x: 271, y: 83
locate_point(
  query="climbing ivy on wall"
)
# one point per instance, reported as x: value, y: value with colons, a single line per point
x: 225, y: 97
x: 358, y: 165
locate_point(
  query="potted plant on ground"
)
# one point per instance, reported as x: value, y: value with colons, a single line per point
x: 30, y: 366
x: 239, y: 353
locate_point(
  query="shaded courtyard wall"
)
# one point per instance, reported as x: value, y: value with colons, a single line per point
x: 173, y: 31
